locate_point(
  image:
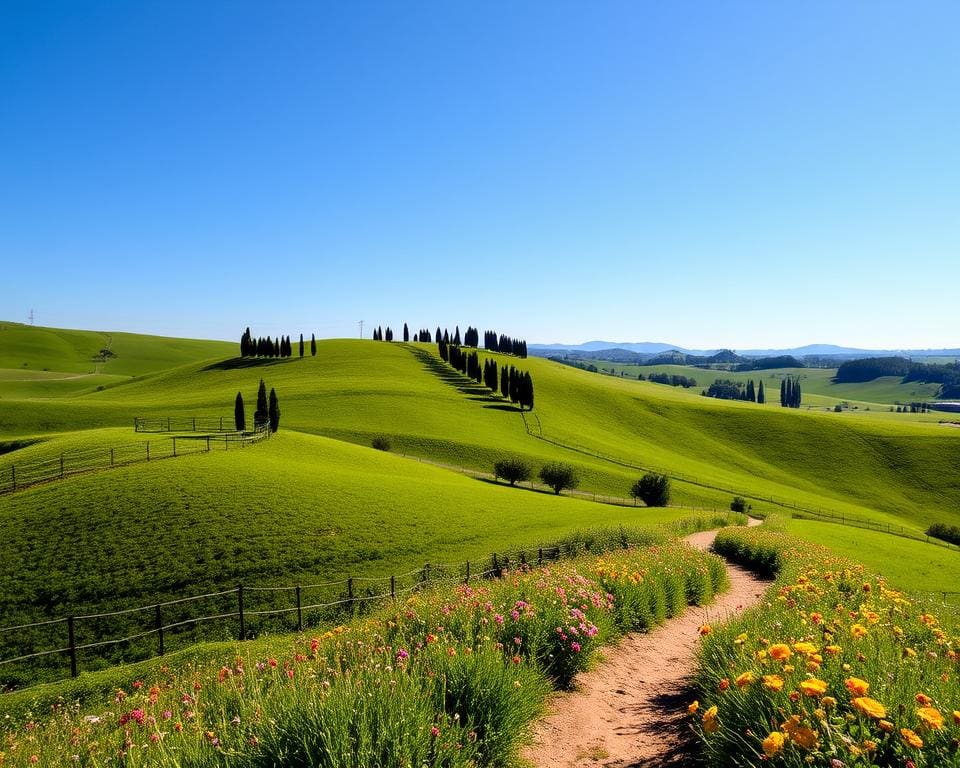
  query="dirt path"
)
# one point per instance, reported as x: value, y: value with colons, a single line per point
x: 631, y: 709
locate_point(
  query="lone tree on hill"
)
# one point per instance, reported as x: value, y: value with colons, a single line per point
x: 313, y: 345
x: 301, y: 345
x: 406, y: 333
x: 512, y: 470
x: 239, y: 417
x: 261, y: 415
x: 559, y: 476
x: 274, y: 411
x: 652, y: 489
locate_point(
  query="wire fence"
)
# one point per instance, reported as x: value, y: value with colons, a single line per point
x: 97, y: 640
x: 185, y: 424
x: 23, y: 475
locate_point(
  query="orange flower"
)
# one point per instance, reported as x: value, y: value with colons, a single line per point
x: 886, y: 726
x: 780, y: 652
x: 813, y: 687
x: 923, y: 700
x: 705, y: 629
x: 856, y: 686
x: 930, y: 717
x: 773, y: 682
x: 870, y: 707
x: 911, y: 739
x: 693, y: 707
x: 833, y: 650
x: 858, y: 631
x: 800, y: 735
x: 745, y: 679
x: 772, y: 744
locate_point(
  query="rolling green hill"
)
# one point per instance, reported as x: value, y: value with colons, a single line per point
x: 316, y: 501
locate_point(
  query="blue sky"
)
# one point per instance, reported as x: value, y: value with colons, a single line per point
x: 706, y: 174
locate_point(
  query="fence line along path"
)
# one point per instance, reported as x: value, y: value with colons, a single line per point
x: 204, y: 434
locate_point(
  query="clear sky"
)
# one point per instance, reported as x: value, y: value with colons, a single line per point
x: 707, y: 174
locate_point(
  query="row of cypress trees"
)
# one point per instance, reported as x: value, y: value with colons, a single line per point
x: 267, y: 347
x: 268, y: 410
x: 515, y: 385
x: 471, y: 338
x: 790, y: 393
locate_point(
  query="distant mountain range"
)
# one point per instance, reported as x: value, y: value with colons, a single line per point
x: 605, y: 349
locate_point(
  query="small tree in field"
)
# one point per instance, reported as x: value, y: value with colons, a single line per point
x: 260, y: 415
x: 739, y: 504
x: 274, y: 411
x: 239, y: 417
x: 313, y: 345
x: 381, y: 443
x: 512, y: 470
x: 559, y: 476
x: 652, y: 489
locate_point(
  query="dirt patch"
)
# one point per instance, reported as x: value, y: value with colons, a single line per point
x: 631, y: 709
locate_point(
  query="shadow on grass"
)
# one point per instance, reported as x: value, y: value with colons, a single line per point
x: 454, y: 378
x: 502, y: 407
x: 660, y: 716
x: 518, y: 487
x: 247, y: 362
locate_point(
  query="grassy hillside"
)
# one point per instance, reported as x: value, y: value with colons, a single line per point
x: 55, y: 362
x: 817, y: 384
x: 353, y: 390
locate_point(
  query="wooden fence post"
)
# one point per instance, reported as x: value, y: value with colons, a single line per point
x: 350, y: 592
x: 208, y: 443
x: 148, y: 450
x: 299, y: 610
x: 73, y: 646
x: 174, y: 447
x: 243, y: 629
x: 221, y: 423
x: 159, y: 622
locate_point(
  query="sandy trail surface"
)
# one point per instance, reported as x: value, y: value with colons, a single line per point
x: 630, y: 710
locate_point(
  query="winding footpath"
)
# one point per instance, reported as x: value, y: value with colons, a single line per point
x: 630, y: 710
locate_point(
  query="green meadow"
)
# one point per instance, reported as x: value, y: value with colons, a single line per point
x: 316, y: 502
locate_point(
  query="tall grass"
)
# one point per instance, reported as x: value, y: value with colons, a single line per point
x: 449, y: 677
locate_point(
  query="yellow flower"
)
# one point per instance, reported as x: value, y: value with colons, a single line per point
x: 773, y: 682
x: 780, y: 652
x: 833, y: 650
x: 930, y: 717
x: 745, y: 679
x: 806, y: 649
x: 911, y: 739
x: 885, y: 725
x: 813, y: 687
x: 870, y: 707
x: 956, y: 717
x: 828, y: 701
x: 772, y: 744
x: 710, y: 722
x: 741, y: 639
x: 691, y: 708
x: 858, y: 631
x: 856, y: 686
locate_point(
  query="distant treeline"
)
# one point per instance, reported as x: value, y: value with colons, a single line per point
x: 512, y: 383
x: 492, y: 341
x: 724, y: 389
x: 267, y: 347
x: 674, y: 381
x: 870, y: 368
x: 767, y: 363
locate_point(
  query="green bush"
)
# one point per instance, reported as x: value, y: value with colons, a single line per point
x: 559, y: 476
x: 652, y: 489
x: 512, y: 470
x: 381, y: 443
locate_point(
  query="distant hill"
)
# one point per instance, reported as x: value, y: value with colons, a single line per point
x: 614, y: 351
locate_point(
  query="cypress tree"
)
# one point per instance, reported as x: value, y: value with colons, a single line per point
x: 260, y: 417
x: 239, y: 417
x: 797, y: 394
x: 504, y: 382
x: 276, y: 347
x: 751, y: 392
x: 783, y: 393
x: 301, y: 345
x: 274, y: 410
x: 761, y: 397
x: 313, y: 345
x: 406, y: 333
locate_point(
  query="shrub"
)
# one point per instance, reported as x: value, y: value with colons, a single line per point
x: 652, y: 489
x: 945, y: 532
x: 512, y: 470
x: 739, y: 504
x: 381, y: 443
x: 559, y: 476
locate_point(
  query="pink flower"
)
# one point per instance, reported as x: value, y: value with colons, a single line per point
x: 575, y: 646
x: 434, y: 731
